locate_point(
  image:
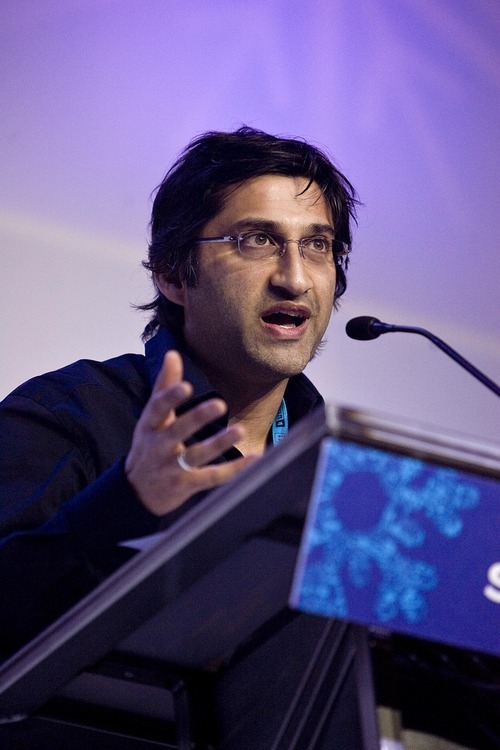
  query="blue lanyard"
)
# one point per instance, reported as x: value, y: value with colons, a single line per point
x: 280, y: 424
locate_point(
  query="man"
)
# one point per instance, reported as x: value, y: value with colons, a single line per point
x: 249, y: 243
x: 250, y: 236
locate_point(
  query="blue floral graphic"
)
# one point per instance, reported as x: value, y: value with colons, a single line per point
x: 410, y: 496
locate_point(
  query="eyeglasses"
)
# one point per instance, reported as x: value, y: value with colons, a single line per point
x: 259, y: 245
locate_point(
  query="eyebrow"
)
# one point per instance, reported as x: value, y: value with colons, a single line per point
x: 275, y: 228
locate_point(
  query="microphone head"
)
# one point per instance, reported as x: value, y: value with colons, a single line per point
x: 363, y: 328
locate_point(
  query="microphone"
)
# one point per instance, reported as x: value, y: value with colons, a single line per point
x: 365, y: 328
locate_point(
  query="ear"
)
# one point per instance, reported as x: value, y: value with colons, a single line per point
x: 174, y: 291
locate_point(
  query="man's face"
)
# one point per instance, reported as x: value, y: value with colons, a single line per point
x: 252, y: 320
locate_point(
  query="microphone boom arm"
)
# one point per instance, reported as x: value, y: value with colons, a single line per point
x: 376, y: 327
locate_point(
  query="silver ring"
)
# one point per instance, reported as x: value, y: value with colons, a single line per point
x: 181, y: 460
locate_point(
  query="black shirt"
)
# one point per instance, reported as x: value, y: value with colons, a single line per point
x: 66, y: 502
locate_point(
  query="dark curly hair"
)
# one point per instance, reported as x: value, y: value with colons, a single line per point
x: 194, y: 189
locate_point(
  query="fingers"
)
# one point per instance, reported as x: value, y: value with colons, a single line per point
x: 169, y: 392
x: 192, y: 421
x: 213, y: 475
x: 202, y: 453
x: 163, y: 485
x: 160, y: 435
x: 184, y: 484
x: 171, y: 371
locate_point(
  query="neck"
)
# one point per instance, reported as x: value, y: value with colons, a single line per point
x: 255, y: 411
x: 254, y: 405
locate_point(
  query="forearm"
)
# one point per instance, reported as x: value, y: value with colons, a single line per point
x: 47, y: 569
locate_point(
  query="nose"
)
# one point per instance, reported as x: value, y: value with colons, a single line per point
x: 291, y: 273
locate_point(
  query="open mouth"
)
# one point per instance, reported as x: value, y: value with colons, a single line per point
x: 286, y: 320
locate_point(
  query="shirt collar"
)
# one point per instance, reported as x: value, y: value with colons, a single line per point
x: 162, y: 342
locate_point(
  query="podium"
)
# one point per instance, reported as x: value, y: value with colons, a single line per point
x: 194, y: 643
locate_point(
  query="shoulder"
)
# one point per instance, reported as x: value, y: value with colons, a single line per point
x: 124, y: 376
x: 301, y: 397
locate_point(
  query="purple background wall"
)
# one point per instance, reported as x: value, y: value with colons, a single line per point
x: 98, y: 97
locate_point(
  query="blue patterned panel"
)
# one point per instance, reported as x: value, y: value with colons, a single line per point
x: 402, y: 543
